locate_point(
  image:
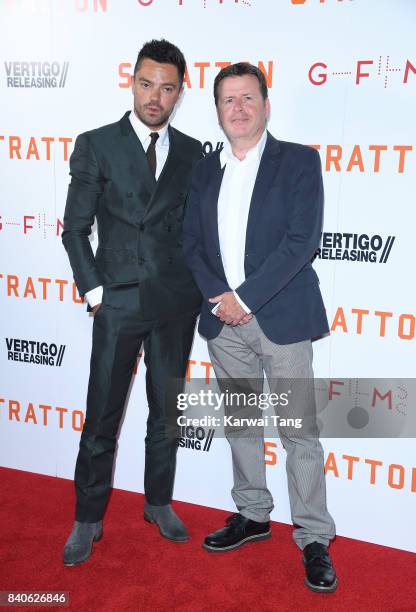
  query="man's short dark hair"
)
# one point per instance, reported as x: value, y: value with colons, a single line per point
x: 241, y: 69
x: 164, y: 52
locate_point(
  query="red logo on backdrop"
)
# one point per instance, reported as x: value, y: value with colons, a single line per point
x: 195, y: 369
x: 335, y: 157
x: 35, y: 147
x: 394, y: 475
x: 360, y: 158
x: 353, y: 158
x: 43, y: 7
x: 195, y: 73
x: 39, y: 288
x: 380, y: 68
x: 203, y: 3
x: 32, y: 224
x: 383, y: 323
x: 320, y: 1
x: 90, y: 5
x: 348, y: 321
x: 43, y: 415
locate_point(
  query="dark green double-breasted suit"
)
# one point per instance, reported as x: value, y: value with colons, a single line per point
x: 149, y: 295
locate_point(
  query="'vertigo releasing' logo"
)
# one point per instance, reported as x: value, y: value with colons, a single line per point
x: 40, y: 75
x: 33, y: 351
x: 355, y: 247
x: 196, y: 438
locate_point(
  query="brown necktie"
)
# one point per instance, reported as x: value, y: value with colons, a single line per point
x: 151, y: 152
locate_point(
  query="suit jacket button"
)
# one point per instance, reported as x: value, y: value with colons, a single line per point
x: 170, y: 260
x: 141, y: 261
x: 218, y: 254
x: 129, y: 194
x: 141, y: 227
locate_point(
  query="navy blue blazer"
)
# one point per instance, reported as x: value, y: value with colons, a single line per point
x: 283, y: 233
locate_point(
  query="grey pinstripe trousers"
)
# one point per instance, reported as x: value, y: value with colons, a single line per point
x: 244, y: 352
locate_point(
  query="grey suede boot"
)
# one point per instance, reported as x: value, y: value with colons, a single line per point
x: 170, y: 525
x: 78, y: 546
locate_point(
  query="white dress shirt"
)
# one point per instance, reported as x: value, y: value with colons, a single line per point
x: 95, y: 296
x: 233, y: 208
x: 162, y: 143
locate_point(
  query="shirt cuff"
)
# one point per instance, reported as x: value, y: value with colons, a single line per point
x: 240, y: 301
x: 94, y: 296
x: 214, y: 310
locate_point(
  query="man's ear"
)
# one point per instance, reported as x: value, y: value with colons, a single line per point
x: 268, y: 107
x: 180, y: 98
x: 218, y: 117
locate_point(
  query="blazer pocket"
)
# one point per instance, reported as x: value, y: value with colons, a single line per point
x: 116, y: 255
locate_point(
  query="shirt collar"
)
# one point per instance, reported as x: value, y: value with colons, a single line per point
x: 255, y: 152
x: 143, y: 132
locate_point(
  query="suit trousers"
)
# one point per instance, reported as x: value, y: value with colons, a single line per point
x: 244, y: 352
x: 118, y: 333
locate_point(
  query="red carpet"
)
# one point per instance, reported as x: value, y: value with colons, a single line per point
x: 133, y: 568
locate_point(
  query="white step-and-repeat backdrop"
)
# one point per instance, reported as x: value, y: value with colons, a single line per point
x: 341, y: 77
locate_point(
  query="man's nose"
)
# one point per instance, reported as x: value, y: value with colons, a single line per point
x: 155, y: 95
x: 238, y: 105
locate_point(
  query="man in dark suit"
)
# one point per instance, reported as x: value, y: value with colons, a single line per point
x: 252, y: 226
x: 132, y: 176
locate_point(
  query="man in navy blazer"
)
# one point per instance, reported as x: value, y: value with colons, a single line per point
x: 252, y: 226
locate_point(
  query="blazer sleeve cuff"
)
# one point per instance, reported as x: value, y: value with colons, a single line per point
x: 242, y: 304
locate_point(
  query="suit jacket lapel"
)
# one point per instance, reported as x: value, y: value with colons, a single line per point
x: 212, y: 195
x: 139, y: 167
x: 173, y: 168
x: 268, y: 167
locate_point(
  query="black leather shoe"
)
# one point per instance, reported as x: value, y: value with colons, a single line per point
x: 320, y: 573
x: 238, y: 531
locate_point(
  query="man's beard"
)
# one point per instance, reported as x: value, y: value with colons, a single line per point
x: 152, y: 122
